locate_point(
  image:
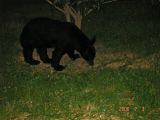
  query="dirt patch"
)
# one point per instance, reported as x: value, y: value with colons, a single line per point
x: 105, y: 58
x: 116, y: 65
x: 142, y: 64
x: 23, y: 116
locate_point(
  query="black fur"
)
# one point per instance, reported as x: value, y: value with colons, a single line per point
x: 43, y: 33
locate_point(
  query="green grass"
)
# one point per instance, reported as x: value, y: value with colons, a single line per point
x: 89, y: 94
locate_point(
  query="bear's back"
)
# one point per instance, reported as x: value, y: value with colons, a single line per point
x: 49, y: 32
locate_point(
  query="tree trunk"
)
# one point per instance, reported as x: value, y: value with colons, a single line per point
x: 67, y: 14
x: 78, y: 20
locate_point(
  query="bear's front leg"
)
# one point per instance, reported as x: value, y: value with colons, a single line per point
x: 56, y: 57
x: 72, y: 55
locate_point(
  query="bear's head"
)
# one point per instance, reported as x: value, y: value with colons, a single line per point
x: 90, y: 53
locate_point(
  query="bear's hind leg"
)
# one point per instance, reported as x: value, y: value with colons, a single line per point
x: 43, y: 55
x: 27, y: 52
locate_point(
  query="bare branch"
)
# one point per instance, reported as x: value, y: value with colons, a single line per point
x: 58, y: 8
x: 73, y: 13
x: 73, y: 9
x: 70, y: 12
x: 53, y: 4
x: 50, y: 2
x: 109, y: 1
x: 90, y: 10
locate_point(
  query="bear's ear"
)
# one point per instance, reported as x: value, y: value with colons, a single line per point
x: 93, y: 40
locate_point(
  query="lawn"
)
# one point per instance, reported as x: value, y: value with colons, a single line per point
x: 122, y: 85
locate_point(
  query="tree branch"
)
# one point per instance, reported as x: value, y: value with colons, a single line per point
x: 72, y: 12
x: 73, y: 9
x: 90, y: 10
x: 53, y: 4
x: 109, y: 1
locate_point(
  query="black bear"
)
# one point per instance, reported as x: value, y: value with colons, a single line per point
x: 64, y: 37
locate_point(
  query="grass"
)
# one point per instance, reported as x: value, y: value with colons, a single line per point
x: 82, y: 93
x: 79, y: 96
